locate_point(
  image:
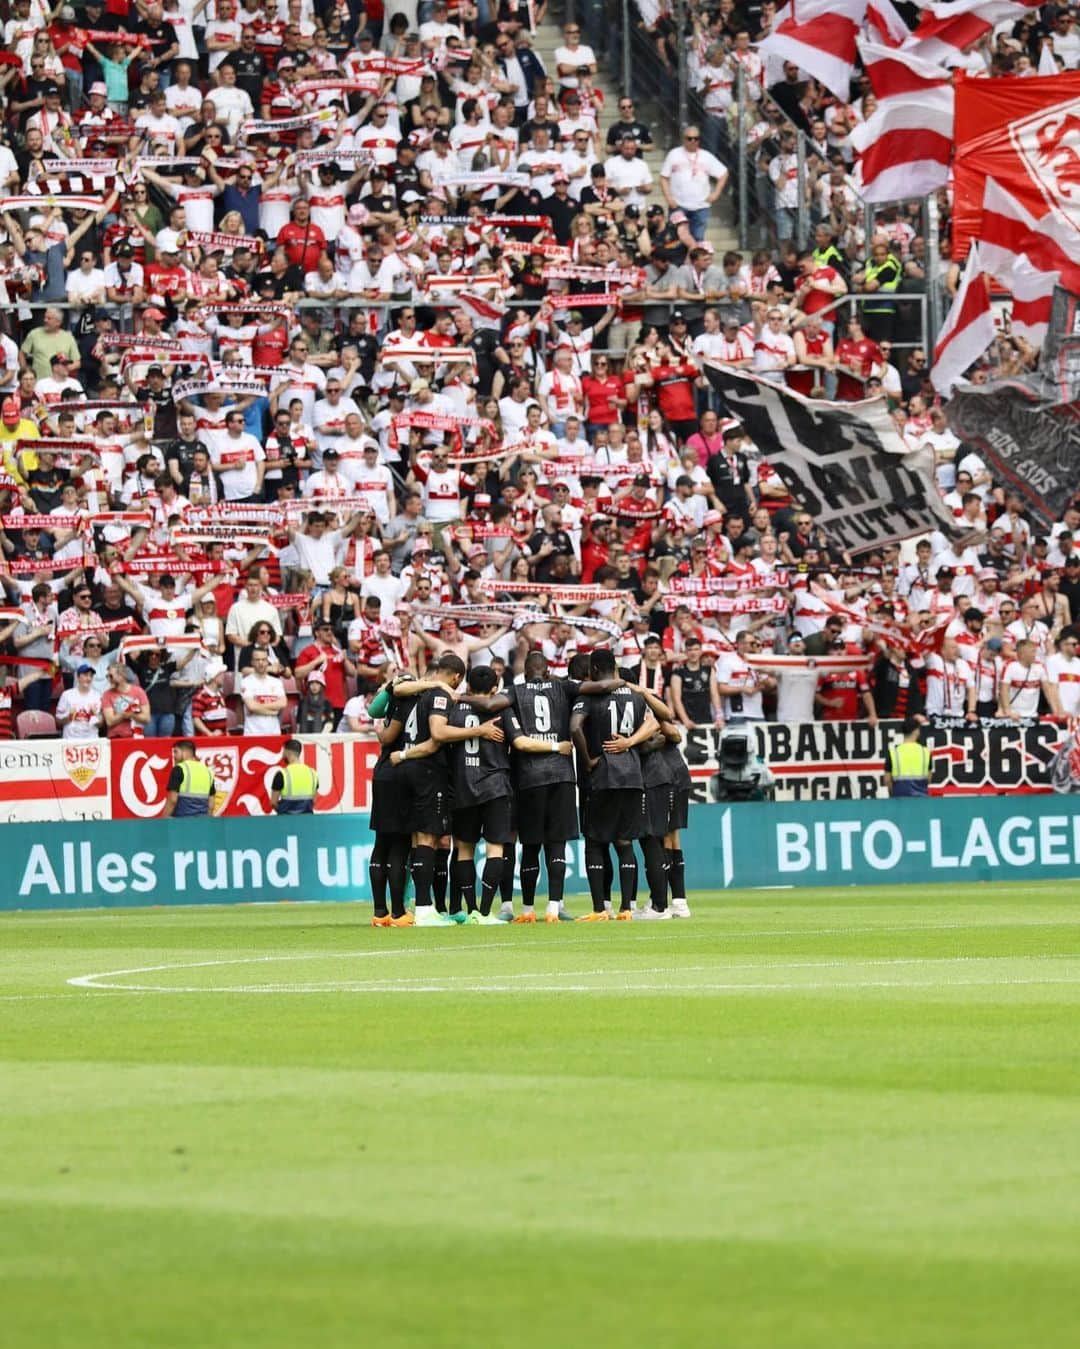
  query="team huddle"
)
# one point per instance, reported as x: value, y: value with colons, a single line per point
x: 463, y: 760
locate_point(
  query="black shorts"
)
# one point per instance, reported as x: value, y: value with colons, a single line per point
x: 386, y: 810
x: 547, y: 814
x: 424, y: 800
x: 616, y: 814
x: 657, y: 810
x: 680, y: 809
x: 489, y: 820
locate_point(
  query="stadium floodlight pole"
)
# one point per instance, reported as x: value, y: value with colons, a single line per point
x: 932, y: 310
x: 742, y: 157
x: 626, y: 58
x: 683, y: 75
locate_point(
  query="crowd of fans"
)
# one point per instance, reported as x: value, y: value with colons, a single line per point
x: 338, y: 342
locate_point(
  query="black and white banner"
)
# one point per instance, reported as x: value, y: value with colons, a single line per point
x: 1030, y: 442
x: 845, y: 463
x: 845, y: 760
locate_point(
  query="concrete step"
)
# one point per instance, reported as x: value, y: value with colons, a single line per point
x: 721, y: 232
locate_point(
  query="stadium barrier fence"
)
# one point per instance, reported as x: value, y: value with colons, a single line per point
x: 127, y: 864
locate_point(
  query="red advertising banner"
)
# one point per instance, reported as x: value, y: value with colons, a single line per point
x: 1024, y: 133
x: 243, y: 769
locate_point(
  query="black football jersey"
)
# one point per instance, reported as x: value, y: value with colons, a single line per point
x: 695, y: 694
x: 481, y: 766
x: 542, y: 709
x: 431, y: 702
x: 620, y: 712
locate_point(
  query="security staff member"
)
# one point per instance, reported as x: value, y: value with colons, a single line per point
x: 907, y: 769
x: 880, y: 277
x: 295, y: 785
x: 190, y: 788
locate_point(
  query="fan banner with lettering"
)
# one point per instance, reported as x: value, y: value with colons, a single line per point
x: 845, y: 463
x: 1025, y: 134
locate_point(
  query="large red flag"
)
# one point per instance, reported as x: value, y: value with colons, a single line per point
x: 1024, y: 133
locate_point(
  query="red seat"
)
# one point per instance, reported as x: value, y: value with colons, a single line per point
x: 36, y: 726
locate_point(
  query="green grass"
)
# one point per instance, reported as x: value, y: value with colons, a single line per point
x: 812, y: 1118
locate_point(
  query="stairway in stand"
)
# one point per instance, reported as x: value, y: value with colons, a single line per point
x: 721, y: 233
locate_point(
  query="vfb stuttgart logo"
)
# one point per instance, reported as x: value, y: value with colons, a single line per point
x: 1048, y: 143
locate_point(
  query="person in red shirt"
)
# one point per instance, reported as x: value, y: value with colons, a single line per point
x: 818, y: 287
x: 845, y: 696
x: 326, y: 656
x: 814, y: 352
x: 856, y: 357
x: 302, y: 240
x: 673, y: 388
x: 208, y: 710
x: 604, y: 396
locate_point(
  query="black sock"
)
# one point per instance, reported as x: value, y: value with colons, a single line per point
x: 440, y: 877
x: 380, y: 852
x: 677, y: 873
x: 652, y: 849
x: 489, y: 883
x: 555, y: 860
x: 466, y: 879
x: 506, y: 881
x: 609, y: 873
x: 596, y: 856
x: 423, y: 865
x: 396, y: 873
x: 530, y: 873
x: 627, y: 875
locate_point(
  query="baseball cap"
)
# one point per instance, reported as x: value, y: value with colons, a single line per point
x: 59, y: 359
x: 418, y: 386
x: 560, y: 177
x: 330, y: 454
x: 11, y: 411
x: 574, y: 316
x: 641, y: 480
x: 100, y: 87
x: 986, y: 574
x: 993, y: 644
x: 653, y: 210
x: 713, y: 518
x: 422, y: 545
x: 286, y: 63
x: 52, y: 89
x: 481, y: 499
x: 677, y: 316
x: 124, y: 250
x: 155, y: 370
x: 67, y: 14
x: 1073, y: 560
x: 315, y: 677
x: 154, y: 313
x: 215, y: 668
x: 85, y: 669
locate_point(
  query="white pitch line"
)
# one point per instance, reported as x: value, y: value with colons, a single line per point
x: 504, y: 982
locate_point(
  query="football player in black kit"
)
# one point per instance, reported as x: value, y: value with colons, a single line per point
x: 483, y: 789
x: 390, y: 851
x: 425, y: 788
x: 607, y: 728
x: 546, y: 793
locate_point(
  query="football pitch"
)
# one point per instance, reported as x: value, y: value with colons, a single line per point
x: 804, y: 1118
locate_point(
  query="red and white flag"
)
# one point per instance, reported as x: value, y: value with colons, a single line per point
x: 946, y: 40
x: 905, y: 147
x: 968, y: 330
x: 819, y: 37
x: 885, y: 22
x: 1009, y: 231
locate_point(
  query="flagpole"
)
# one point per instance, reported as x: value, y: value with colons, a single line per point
x: 933, y: 274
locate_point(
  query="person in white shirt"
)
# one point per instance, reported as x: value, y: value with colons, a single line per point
x: 318, y: 548
x: 964, y: 566
x: 797, y: 688
x: 739, y: 684
x: 1022, y: 681
x: 691, y: 179
x: 330, y: 414
x: 231, y: 103
x: 1029, y: 627
x: 774, y: 349
x: 628, y: 175
x: 373, y: 483
x: 440, y: 486
x: 263, y: 696
x: 79, y: 710
x: 559, y: 391
x: 299, y: 379
x: 382, y: 582
x: 950, y: 683
x: 571, y: 56
x: 1063, y: 672
x: 86, y: 284
x: 239, y: 461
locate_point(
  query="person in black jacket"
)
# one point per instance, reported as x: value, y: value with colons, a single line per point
x: 897, y: 686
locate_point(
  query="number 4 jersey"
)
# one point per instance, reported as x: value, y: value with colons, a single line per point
x: 620, y: 712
